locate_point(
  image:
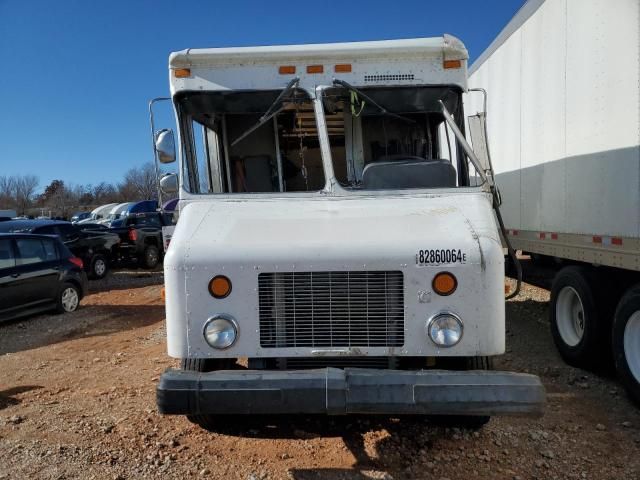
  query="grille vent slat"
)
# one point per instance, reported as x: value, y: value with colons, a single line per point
x: 331, y: 309
x: 389, y: 77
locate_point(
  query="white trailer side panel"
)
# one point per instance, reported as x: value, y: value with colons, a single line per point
x: 564, y: 124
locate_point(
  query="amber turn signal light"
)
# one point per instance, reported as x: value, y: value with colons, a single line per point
x: 220, y: 286
x: 444, y: 283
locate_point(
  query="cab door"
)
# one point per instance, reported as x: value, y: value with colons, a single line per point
x: 10, y: 299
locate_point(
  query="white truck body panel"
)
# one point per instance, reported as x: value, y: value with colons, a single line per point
x: 564, y: 128
x: 241, y: 239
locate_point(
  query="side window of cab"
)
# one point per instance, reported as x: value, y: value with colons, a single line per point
x: 7, y: 257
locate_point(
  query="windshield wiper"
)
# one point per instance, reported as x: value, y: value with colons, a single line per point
x: 271, y: 111
x: 382, y: 109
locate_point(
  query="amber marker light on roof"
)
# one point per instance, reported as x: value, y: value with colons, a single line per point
x: 452, y: 64
x: 182, y: 72
x: 287, y: 69
x: 315, y: 68
x: 220, y: 286
x: 444, y: 283
x: 343, y: 68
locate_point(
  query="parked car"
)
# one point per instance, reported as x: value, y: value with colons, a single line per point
x: 98, y: 213
x: 97, y: 249
x: 38, y: 273
x: 76, y: 217
x: 115, y: 213
x: 141, y: 237
x: 145, y: 206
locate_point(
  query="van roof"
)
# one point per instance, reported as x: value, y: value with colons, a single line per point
x: 410, y: 62
x: 447, y: 45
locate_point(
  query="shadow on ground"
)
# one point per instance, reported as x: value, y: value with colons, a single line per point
x: 126, y: 279
x: 87, y: 321
x: 6, y: 396
x: 407, y: 435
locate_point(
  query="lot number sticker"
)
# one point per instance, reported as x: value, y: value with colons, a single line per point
x: 440, y: 257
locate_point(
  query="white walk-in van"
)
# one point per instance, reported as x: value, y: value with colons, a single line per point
x: 337, y: 249
x: 563, y: 83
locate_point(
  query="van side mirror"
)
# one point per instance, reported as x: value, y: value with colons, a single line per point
x: 165, y: 146
x: 169, y: 183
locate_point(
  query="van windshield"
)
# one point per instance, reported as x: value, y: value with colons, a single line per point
x: 393, y: 138
x: 226, y: 148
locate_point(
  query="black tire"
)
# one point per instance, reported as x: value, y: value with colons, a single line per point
x: 471, y: 422
x: 150, y: 257
x: 628, y: 308
x: 211, y: 423
x: 99, y: 267
x: 579, y: 319
x: 64, y: 300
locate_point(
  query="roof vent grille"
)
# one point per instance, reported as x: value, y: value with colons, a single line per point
x: 388, y: 77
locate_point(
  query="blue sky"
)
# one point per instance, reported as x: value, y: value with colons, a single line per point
x: 77, y: 75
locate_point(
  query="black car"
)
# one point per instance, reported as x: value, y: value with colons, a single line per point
x: 96, y: 248
x: 38, y: 273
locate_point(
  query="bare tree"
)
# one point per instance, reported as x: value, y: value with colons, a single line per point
x: 139, y: 183
x: 104, y: 193
x: 21, y: 189
x: 7, y: 192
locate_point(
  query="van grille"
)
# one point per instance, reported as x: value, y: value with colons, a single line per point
x: 331, y: 309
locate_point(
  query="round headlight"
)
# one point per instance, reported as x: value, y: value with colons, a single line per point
x: 445, y: 329
x: 220, y: 331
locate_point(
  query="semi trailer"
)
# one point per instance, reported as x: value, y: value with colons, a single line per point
x: 564, y: 132
x: 337, y: 249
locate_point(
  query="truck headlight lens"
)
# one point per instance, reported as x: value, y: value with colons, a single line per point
x: 445, y: 329
x: 220, y: 331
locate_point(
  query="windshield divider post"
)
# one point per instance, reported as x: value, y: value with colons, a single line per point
x: 323, y: 139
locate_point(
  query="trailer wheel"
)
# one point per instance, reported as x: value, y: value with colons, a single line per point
x: 209, y: 422
x: 574, y: 316
x: 472, y: 422
x: 626, y: 341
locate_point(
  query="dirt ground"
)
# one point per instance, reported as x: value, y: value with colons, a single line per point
x: 77, y: 400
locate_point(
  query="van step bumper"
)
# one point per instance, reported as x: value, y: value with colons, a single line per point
x: 350, y: 391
